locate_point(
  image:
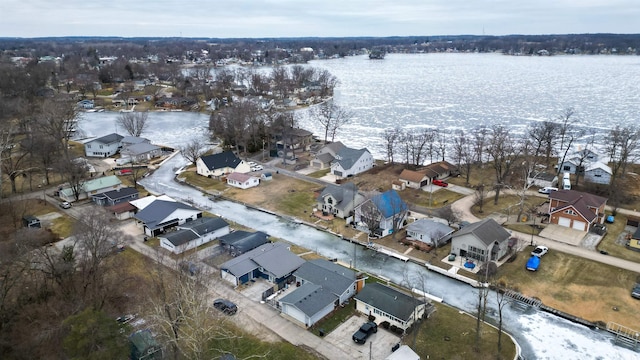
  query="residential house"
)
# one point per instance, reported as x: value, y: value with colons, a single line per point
x: 162, y: 215
x: 575, y: 209
x: 387, y: 210
x: 104, y: 146
x: 90, y: 188
x: 578, y: 160
x: 350, y: 162
x: 122, y: 211
x: 141, y: 152
x: 242, y: 181
x: 322, y: 286
x: 291, y: 138
x: 339, y: 200
x: 132, y: 140
x: 144, y: 346
x: 326, y: 155
x: 542, y: 179
x: 414, y: 179
x: 634, y: 241
x: 31, y: 222
x: 392, y: 305
x: 114, y: 197
x: 85, y: 104
x: 145, y: 201
x: 221, y: 164
x: 273, y: 262
x: 439, y: 170
x: 483, y: 241
x: 598, y: 173
x: 571, y: 166
x: 194, y: 233
x: 240, y: 242
x: 428, y: 232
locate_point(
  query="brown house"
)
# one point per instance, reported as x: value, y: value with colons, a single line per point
x: 575, y: 209
x: 413, y: 179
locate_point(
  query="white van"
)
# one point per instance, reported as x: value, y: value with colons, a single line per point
x: 547, y: 190
x: 566, y: 184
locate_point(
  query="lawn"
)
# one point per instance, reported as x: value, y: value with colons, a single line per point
x: 507, y: 204
x: 335, y: 319
x: 427, y: 199
x: 202, y: 182
x: 584, y: 288
x: 613, y: 242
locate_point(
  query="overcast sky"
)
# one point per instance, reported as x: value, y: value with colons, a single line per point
x: 322, y: 18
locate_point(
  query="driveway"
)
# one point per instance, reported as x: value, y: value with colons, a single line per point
x: 378, y: 345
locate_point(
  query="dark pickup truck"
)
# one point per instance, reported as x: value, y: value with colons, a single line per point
x: 368, y: 328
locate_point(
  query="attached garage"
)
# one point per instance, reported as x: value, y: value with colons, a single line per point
x: 564, y: 222
x: 579, y: 225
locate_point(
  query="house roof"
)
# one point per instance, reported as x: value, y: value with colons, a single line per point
x: 487, y: 231
x: 389, y: 203
x: 121, y: 208
x: 431, y: 228
x: 145, y: 201
x: 221, y: 160
x: 205, y: 225
x: 95, y: 184
x: 404, y: 352
x: 347, y: 157
x: 133, y: 140
x: 582, y: 202
x: 181, y: 236
x: 309, y: 298
x: 332, y: 277
x: 244, y: 241
x: 108, y: 139
x: 153, y: 214
x: 240, y: 177
x: 120, y: 193
x: 272, y: 257
x: 139, y: 148
x: 598, y: 165
x: 345, y: 191
x: 333, y: 148
x: 388, y: 300
x: 545, y: 176
x: 412, y: 176
x: 325, y: 158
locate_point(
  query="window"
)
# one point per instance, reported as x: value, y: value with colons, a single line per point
x: 570, y: 212
x: 566, y: 167
x: 476, y: 253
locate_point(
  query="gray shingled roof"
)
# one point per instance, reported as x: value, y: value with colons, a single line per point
x: 120, y: 193
x: 205, y: 225
x: 109, y: 139
x: 388, y: 300
x: 221, y: 160
x: 348, y: 157
x: 487, y: 231
x: 141, y: 148
x: 180, y: 237
x: 158, y: 210
x: 433, y: 229
x: 335, y: 278
x: 309, y: 299
x: 273, y: 257
x: 244, y: 241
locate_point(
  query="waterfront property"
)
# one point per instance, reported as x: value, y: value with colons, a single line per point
x: 161, y: 215
x: 381, y: 214
x: 194, y: 233
x: 483, y: 241
x: 575, y: 209
x: 221, y: 164
x: 339, y: 201
x: 104, y: 146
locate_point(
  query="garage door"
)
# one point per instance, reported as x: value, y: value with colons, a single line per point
x: 579, y: 225
x: 564, y: 222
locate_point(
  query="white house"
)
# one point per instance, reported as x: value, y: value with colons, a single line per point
x: 193, y: 234
x: 104, y: 146
x: 387, y: 210
x: 91, y: 188
x: 483, y: 241
x: 242, y: 181
x: 221, y: 164
x: 429, y: 232
x: 598, y: 173
x: 350, y: 162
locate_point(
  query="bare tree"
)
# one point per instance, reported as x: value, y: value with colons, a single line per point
x: 331, y: 117
x: 441, y: 142
x: 463, y: 154
x: 504, y: 151
x: 480, y: 135
x: 544, y: 137
x: 390, y: 139
x: 369, y: 214
x: 57, y: 119
x: 479, y: 197
x: 74, y: 173
x: 192, y: 151
x: 568, y: 135
x: 134, y: 123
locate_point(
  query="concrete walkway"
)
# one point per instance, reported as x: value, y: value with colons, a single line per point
x: 463, y: 207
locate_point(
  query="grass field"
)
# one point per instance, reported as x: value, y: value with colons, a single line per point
x: 584, y: 288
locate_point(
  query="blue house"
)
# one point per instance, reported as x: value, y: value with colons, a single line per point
x: 386, y: 212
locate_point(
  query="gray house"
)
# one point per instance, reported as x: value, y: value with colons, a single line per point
x: 273, y: 262
x: 429, y: 232
x: 141, y: 152
x: 115, y: 197
x: 161, y: 215
x: 240, y: 242
x: 104, y: 146
x: 339, y: 200
x: 483, y: 241
x: 598, y: 173
x: 323, y: 286
x: 326, y: 155
x: 349, y: 162
x: 389, y: 304
x: 193, y: 234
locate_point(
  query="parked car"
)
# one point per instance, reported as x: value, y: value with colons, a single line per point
x: 252, y: 163
x: 257, y: 168
x: 539, y: 251
x: 635, y: 293
x: 368, y: 328
x: 533, y: 263
x: 440, y: 183
x: 225, y: 306
x: 65, y: 205
x: 547, y: 190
